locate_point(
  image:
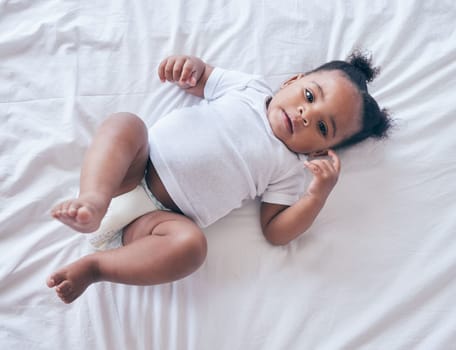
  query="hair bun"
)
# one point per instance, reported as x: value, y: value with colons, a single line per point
x: 363, y: 62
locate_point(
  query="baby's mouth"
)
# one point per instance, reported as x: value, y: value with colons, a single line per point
x: 287, y: 120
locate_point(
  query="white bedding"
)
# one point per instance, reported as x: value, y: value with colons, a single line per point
x: 376, y: 271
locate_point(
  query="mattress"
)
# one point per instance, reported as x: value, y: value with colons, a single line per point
x: 377, y: 270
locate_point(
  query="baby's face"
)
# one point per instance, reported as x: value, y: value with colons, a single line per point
x: 315, y: 112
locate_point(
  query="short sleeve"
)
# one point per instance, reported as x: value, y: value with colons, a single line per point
x: 288, y: 190
x: 221, y: 81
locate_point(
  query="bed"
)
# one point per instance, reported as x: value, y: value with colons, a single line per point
x: 377, y: 270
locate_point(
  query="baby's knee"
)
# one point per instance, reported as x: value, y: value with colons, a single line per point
x: 125, y: 127
x: 193, y: 240
x: 124, y: 116
x: 124, y: 121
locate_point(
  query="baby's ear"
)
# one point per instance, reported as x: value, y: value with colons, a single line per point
x: 292, y: 80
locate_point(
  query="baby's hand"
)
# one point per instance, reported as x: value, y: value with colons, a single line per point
x: 183, y: 70
x: 325, y: 174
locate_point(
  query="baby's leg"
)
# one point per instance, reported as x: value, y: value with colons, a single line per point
x: 114, y: 164
x: 159, y: 247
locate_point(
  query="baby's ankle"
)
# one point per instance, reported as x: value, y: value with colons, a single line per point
x: 97, y: 199
x: 92, y: 268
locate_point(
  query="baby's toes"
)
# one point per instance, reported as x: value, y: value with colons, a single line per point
x: 57, y: 211
x: 70, y: 297
x: 85, y: 215
x: 67, y: 299
x: 66, y: 292
x: 61, y: 210
x: 55, y: 279
x: 73, y: 208
x: 64, y: 289
x: 50, y: 282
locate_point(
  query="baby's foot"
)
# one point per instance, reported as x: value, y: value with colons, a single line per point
x: 71, y: 281
x: 83, y: 214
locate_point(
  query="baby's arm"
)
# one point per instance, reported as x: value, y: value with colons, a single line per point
x: 281, y: 224
x: 188, y: 72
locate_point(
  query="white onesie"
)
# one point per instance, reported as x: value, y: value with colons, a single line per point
x: 214, y: 155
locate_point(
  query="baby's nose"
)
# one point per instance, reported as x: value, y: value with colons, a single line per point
x: 305, y: 120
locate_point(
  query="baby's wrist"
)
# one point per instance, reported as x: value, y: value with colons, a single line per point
x: 317, y: 198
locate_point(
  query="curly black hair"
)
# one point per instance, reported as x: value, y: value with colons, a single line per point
x: 359, y: 70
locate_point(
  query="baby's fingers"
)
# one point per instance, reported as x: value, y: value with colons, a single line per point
x: 178, y: 67
x: 335, y: 160
x: 187, y: 76
x: 161, y: 70
x: 172, y: 69
x: 322, y: 168
x: 168, y: 68
x: 326, y: 167
x: 313, y: 167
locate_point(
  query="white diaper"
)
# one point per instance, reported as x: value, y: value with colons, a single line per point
x: 123, y: 210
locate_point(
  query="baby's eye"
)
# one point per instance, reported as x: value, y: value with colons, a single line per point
x: 309, y: 96
x: 323, y: 128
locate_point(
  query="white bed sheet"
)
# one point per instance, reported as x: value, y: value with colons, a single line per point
x: 377, y: 269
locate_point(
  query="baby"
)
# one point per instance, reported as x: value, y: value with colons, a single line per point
x: 198, y: 163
